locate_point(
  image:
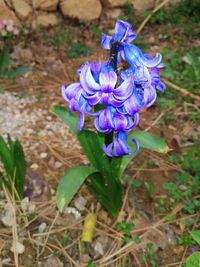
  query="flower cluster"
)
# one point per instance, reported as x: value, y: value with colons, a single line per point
x: 115, y: 97
x: 7, y: 26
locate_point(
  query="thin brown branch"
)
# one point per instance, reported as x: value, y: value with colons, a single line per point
x: 181, y: 90
x: 150, y: 15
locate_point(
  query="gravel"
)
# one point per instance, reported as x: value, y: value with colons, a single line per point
x: 23, y: 118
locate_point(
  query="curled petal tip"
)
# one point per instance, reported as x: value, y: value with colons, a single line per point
x: 150, y: 63
x: 137, y: 147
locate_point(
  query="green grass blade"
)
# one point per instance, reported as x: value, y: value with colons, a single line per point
x: 20, y: 168
x: 17, y: 72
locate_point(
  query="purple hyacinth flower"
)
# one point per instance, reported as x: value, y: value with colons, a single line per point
x: 135, y: 57
x: 119, y: 146
x: 194, y: 249
x: 99, y: 86
x: 155, y: 75
x: 123, y: 34
x: 109, y: 120
x: 73, y: 94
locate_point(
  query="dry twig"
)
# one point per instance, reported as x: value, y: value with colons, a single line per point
x: 150, y: 15
x: 181, y: 90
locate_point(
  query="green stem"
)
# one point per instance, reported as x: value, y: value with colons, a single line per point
x: 113, y: 55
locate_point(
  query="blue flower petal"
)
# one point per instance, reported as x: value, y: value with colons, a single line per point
x: 149, y: 96
x: 119, y: 146
x: 123, y: 32
x: 161, y: 86
x: 125, y: 90
x: 87, y: 80
x: 98, y: 127
x: 135, y: 57
x: 107, y: 81
x: 105, y: 119
x: 106, y: 41
x: 93, y: 99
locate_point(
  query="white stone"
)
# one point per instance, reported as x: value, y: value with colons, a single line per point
x: 58, y: 164
x: 49, y: 118
x: 80, y: 203
x: 43, y: 155
x: 26, y: 206
x: 87, y: 9
x: 8, y: 216
x: 22, y: 8
x: 18, y: 247
x: 42, y: 227
x: 73, y: 211
x: 99, y: 248
x: 34, y: 166
x: 46, y: 5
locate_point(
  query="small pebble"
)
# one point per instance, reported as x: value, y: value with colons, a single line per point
x: 43, y: 155
x: 26, y: 206
x: 34, y: 166
x: 7, y: 217
x: 42, y: 227
x: 49, y: 118
x: 73, y: 211
x: 19, y: 248
x: 99, y: 248
x: 58, y: 164
x: 80, y: 203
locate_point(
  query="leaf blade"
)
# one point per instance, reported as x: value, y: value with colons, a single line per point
x: 92, y: 147
x: 6, y: 158
x: 149, y: 141
x: 5, y: 60
x: 196, y: 235
x: 70, y: 184
x: 67, y: 117
x: 17, y: 72
x: 20, y: 168
x: 193, y: 260
x: 146, y: 141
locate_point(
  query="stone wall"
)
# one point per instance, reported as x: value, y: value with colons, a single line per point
x: 45, y: 12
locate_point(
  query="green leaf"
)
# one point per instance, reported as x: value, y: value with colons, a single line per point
x: 20, y: 168
x: 67, y: 117
x: 17, y: 72
x: 5, y: 61
x: 193, y: 260
x: 10, y: 143
x: 92, y: 147
x: 196, y: 235
x: 124, y: 163
x: 148, y: 141
x: 6, y: 158
x: 115, y: 167
x: 13, y: 159
x: 70, y: 184
x: 108, y: 192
